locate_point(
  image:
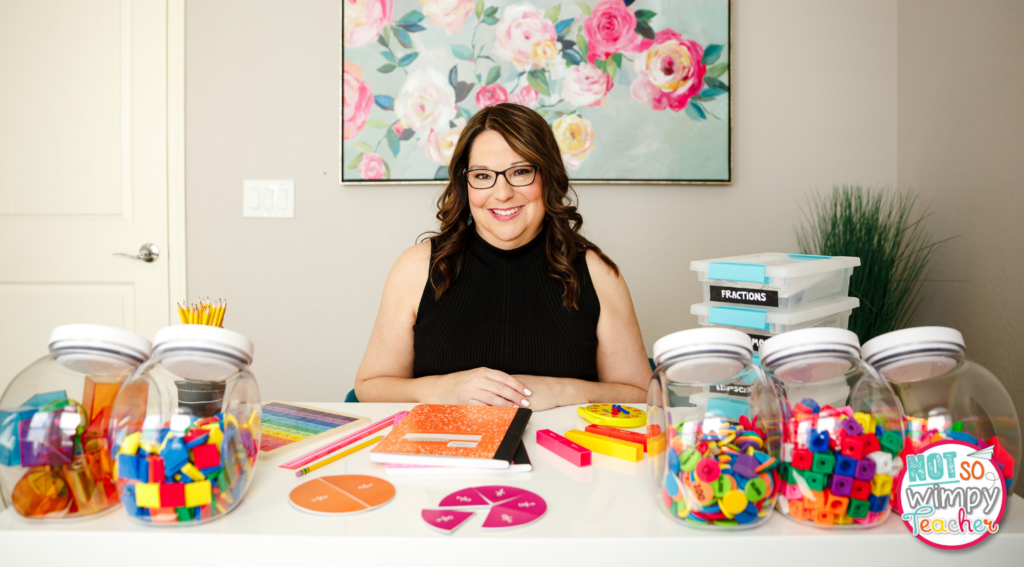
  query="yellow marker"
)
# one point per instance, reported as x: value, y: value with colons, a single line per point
x: 606, y: 445
x: 333, y: 458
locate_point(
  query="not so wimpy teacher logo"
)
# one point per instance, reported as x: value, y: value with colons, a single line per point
x: 951, y: 495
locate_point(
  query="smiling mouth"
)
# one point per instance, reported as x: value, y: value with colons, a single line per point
x: 506, y: 213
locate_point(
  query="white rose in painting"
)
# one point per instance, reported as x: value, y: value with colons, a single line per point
x: 526, y: 38
x: 364, y: 20
x: 586, y: 85
x: 575, y: 137
x: 448, y: 14
x: 426, y: 101
x: 440, y: 149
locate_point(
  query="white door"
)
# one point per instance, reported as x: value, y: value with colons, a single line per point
x: 83, y: 169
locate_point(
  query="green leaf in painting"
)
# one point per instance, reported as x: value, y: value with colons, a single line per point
x: 552, y: 14
x: 644, y: 15
x: 717, y: 70
x: 581, y: 42
x: 383, y: 38
x: 413, y: 17
x: 584, y: 7
x: 711, y: 93
x: 479, y: 9
x: 354, y: 162
x: 386, y: 68
x: 490, y: 12
x: 711, y: 54
x: 600, y: 64
x: 364, y: 147
x: 618, y: 59
x: 441, y: 173
x: 463, y: 52
x: 389, y: 56
x: 694, y: 111
x: 377, y: 123
x: 539, y: 81
x: 645, y: 29
x: 493, y: 75
x: 387, y: 170
x: 403, y: 38
x: 610, y: 67
x: 715, y: 83
x: 407, y: 60
x: 490, y: 20
x: 393, y: 142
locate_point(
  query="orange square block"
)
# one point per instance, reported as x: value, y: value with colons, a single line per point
x: 814, y: 499
x: 836, y: 504
x: 824, y: 518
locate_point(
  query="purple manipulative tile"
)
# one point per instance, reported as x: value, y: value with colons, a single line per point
x: 43, y: 442
x: 841, y: 485
x: 745, y: 465
x: 865, y: 470
x: 851, y: 427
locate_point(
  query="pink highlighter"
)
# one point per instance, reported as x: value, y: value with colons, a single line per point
x: 575, y: 454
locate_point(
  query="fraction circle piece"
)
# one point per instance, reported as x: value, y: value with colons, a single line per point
x: 341, y: 494
x: 510, y: 507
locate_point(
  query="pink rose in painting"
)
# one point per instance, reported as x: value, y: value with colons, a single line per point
x: 448, y: 14
x: 610, y: 29
x: 669, y: 72
x: 371, y: 167
x: 527, y: 96
x: 586, y: 85
x: 356, y: 100
x: 491, y: 95
x: 398, y: 128
x: 526, y: 38
x: 426, y: 101
x: 364, y: 19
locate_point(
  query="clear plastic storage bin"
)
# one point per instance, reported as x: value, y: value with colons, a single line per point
x: 187, y: 427
x: 945, y: 395
x: 714, y: 432
x: 762, y: 324
x: 775, y: 281
x: 842, y: 432
x: 54, y: 423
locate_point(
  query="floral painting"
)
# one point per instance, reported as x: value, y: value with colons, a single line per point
x: 636, y: 91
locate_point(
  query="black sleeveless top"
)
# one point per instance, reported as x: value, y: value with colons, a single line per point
x: 503, y: 312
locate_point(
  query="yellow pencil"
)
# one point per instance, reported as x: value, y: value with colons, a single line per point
x: 333, y: 458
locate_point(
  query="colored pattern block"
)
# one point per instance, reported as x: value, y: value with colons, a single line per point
x: 606, y: 445
x: 446, y: 521
x: 575, y: 454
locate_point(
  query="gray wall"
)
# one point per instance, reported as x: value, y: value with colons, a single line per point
x: 961, y: 142
x: 815, y: 103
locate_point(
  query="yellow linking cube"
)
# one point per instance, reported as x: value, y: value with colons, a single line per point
x: 881, y: 485
x: 607, y: 445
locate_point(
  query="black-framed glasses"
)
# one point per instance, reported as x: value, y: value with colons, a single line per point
x: 517, y: 176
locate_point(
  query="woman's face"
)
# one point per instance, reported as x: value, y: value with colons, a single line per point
x: 505, y: 216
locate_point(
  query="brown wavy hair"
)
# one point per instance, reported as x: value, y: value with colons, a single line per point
x: 529, y: 135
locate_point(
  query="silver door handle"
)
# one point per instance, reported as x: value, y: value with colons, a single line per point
x: 148, y: 252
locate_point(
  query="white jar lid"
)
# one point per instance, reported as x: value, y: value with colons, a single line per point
x: 808, y: 340
x: 205, y: 337
x: 113, y: 339
x: 702, y: 340
x: 903, y: 340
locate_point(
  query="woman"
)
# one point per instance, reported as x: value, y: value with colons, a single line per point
x: 507, y: 305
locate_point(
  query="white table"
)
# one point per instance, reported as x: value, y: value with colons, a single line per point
x: 605, y: 513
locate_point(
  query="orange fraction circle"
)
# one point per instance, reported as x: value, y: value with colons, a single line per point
x: 342, y: 494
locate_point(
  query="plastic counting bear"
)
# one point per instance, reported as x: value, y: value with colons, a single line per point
x: 168, y: 476
x: 838, y: 466
x: 718, y: 472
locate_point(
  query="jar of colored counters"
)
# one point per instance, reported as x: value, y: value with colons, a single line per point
x: 945, y: 395
x: 714, y: 433
x: 842, y: 432
x: 54, y: 423
x: 186, y: 427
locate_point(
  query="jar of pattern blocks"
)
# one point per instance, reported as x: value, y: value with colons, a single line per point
x: 714, y: 430
x: 945, y: 395
x: 186, y: 427
x: 54, y: 423
x: 842, y: 429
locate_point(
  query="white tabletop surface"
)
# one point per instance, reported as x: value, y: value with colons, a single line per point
x: 605, y: 512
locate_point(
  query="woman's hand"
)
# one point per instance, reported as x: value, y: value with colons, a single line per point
x: 480, y: 387
x: 545, y: 391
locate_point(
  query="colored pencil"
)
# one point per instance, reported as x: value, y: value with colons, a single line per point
x: 343, y: 442
x: 333, y: 458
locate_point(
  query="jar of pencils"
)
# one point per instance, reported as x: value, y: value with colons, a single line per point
x: 842, y: 429
x: 713, y: 431
x: 54, y: 423
x: 186, y: 427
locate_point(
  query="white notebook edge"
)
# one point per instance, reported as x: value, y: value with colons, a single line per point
x: 440, y: 461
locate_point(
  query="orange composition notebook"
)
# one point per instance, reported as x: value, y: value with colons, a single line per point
x: 472, y: 436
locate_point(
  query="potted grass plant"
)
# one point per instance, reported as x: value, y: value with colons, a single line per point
x: 879, y: 226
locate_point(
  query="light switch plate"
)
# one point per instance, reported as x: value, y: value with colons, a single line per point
x: 268, y: 198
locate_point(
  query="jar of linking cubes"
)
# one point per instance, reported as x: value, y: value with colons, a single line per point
x: 945, y: 395
x: 842, y: 429
x: 54, y: 423
x: 714, y: 432
x: 186, y: 427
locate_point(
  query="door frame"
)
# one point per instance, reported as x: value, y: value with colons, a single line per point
x: 176, y: 205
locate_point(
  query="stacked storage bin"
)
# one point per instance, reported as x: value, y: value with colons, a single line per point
x: 765, y: 295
